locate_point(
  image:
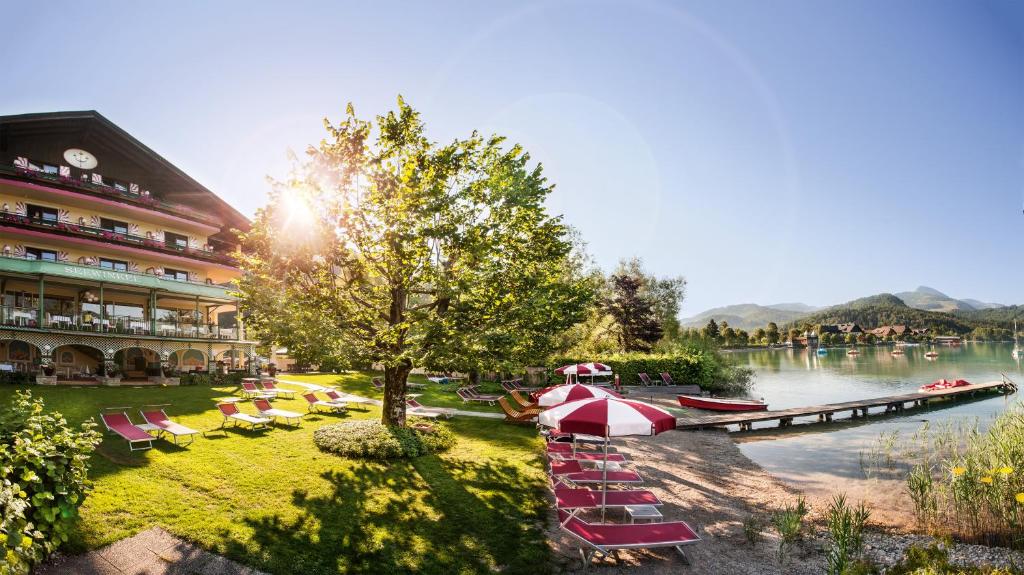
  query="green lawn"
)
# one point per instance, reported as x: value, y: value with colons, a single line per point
x: 274, y: 501
x: 433, y: 394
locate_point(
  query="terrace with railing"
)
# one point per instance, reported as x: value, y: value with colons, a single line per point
x: 91, y: 322
x: 94, y: 184
x: 105, y: 235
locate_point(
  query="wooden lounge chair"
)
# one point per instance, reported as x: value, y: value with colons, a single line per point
x: 415, y: 408
x: 118, y: 423
x: 645, y: 379
x: 569, y: 498
x: 266, y: 410
x: 522, y: 401
x: 313, y: 403
x: 157, y: 418
x: 231, y: 413
x: 270, y: 387
x: 513, y: 415
x: 468, y: 397
x: 249, y: 390
x: 607, y: 538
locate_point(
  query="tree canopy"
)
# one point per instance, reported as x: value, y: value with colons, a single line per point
x: 385, y: 247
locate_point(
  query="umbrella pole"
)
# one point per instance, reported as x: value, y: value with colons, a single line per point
x: 604, y: 477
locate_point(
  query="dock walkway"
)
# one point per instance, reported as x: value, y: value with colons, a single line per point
x: 825, y: 412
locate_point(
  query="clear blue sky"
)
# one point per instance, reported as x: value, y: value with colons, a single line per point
x: 809, y: 151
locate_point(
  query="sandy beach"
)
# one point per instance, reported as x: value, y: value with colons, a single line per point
x: 703, y: 479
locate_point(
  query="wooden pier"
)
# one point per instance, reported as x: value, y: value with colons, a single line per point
x: 893, y: 403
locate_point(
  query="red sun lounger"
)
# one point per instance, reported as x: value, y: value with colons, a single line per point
x: 313, y: 403
x: 231, y: 413
x: 573, y: 472
x: 163, y: 424
x: 414, y: 407
x: 120, y: 424
x: 270, y: 387
x: 567, y: 498
x: 250, y: 390
x: 263, y: 406
x: 583, y: 456
x: 607, y: 538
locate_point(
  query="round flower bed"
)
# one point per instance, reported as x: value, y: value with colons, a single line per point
x: 369, y: 439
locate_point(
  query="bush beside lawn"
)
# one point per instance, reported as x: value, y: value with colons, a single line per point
x: 273, y: 500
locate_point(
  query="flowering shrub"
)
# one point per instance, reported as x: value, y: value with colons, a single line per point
x: 43, y: 462
x: 370, y: 439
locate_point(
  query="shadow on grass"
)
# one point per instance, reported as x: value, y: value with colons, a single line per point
x: 430, y: 515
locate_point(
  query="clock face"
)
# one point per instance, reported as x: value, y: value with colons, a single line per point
x: 80, y: 159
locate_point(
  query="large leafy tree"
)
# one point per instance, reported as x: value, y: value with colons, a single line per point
x: 634, y: 315
x: 385, y: 247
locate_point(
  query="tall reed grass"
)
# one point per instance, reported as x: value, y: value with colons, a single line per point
x: 964, y: 483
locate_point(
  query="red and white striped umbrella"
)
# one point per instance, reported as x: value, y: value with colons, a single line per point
x: 608, y: 417
x: 572, y: 392
x: 591, y: 368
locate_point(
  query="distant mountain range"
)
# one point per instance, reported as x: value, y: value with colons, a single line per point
x: 874, y: 310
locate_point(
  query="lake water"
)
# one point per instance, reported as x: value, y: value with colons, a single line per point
x: 819, y: 458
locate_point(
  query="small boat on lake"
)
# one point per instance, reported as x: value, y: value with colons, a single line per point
x: 932, y: 354
x: 941, y: 384
x: 722, y: 404
x: 853, y: 352
x: 897, y: 351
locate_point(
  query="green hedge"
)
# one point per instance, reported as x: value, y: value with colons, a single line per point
x: 698, y: 367
x: 215, y: 379
x: 16, y: 378
x: 44, y: 463
x: 370, y: 439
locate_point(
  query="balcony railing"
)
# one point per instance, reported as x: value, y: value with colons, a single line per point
x: 80, y: 182
x: 89, y: 322
x: 101, y: 234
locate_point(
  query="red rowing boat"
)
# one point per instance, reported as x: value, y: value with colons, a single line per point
x: 721, y: 404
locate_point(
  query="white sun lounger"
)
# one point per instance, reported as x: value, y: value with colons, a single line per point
x: 231, y: 413
x: 267, y: 410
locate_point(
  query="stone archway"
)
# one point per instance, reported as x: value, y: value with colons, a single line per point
x: 136, y: 362
x: 76, y: 361
x: 20, y: 355
x: 185, y: 360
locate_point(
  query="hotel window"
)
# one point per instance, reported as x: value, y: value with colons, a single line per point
x: 116, y: 265
x: 114, y: 226
x: 173, y: 240
x: 40, y: 254
x: 42, y: 213
x: 179, y: 275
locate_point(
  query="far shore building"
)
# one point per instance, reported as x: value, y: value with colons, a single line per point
x: 110, y: 255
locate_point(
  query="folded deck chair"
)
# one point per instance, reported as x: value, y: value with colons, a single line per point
x: 270, y: 387
x: 163, y: 424
x: 667, y: 378
x: 645, y: 379
x: 120, y: 424
x: 513, y: 415
x: 266, y: 410
x: 607, y: 538
x: 231, y: 413
x: 415, y: 408
x: 468, y: 397
x: 251, y: 391
x: 313, y: 403
x: 568, y: 498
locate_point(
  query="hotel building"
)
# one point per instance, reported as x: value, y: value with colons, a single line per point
x: 110, y: 256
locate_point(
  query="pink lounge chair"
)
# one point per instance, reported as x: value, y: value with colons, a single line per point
x: 567, y: 498
x: 559, y: 447
x: 337, y: 397
x: 667, y: 379
x: 605, y: 539
x: 573, y: 472
x: 163, y: 424
x: 266, y: 410
x: 270, y: 387
x: 645, y: 379
x: 377, y: 383
x: 121, y: 425
x: 231, y: 413
x: 468, y: 395
x: 414, y: 407
x: 586, y: 456
x: 251, y: 391
x: 313, y: 403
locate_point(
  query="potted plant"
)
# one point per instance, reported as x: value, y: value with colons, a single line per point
x: 48, y: 375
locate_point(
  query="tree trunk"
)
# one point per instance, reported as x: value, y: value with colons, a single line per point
x: 393, y: 413
x: 474, y: 377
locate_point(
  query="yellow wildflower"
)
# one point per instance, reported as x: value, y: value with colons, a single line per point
x: 959, y: 470
x: 1006, y: 470
x: 987, y: 479
x: 1020, y: 498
